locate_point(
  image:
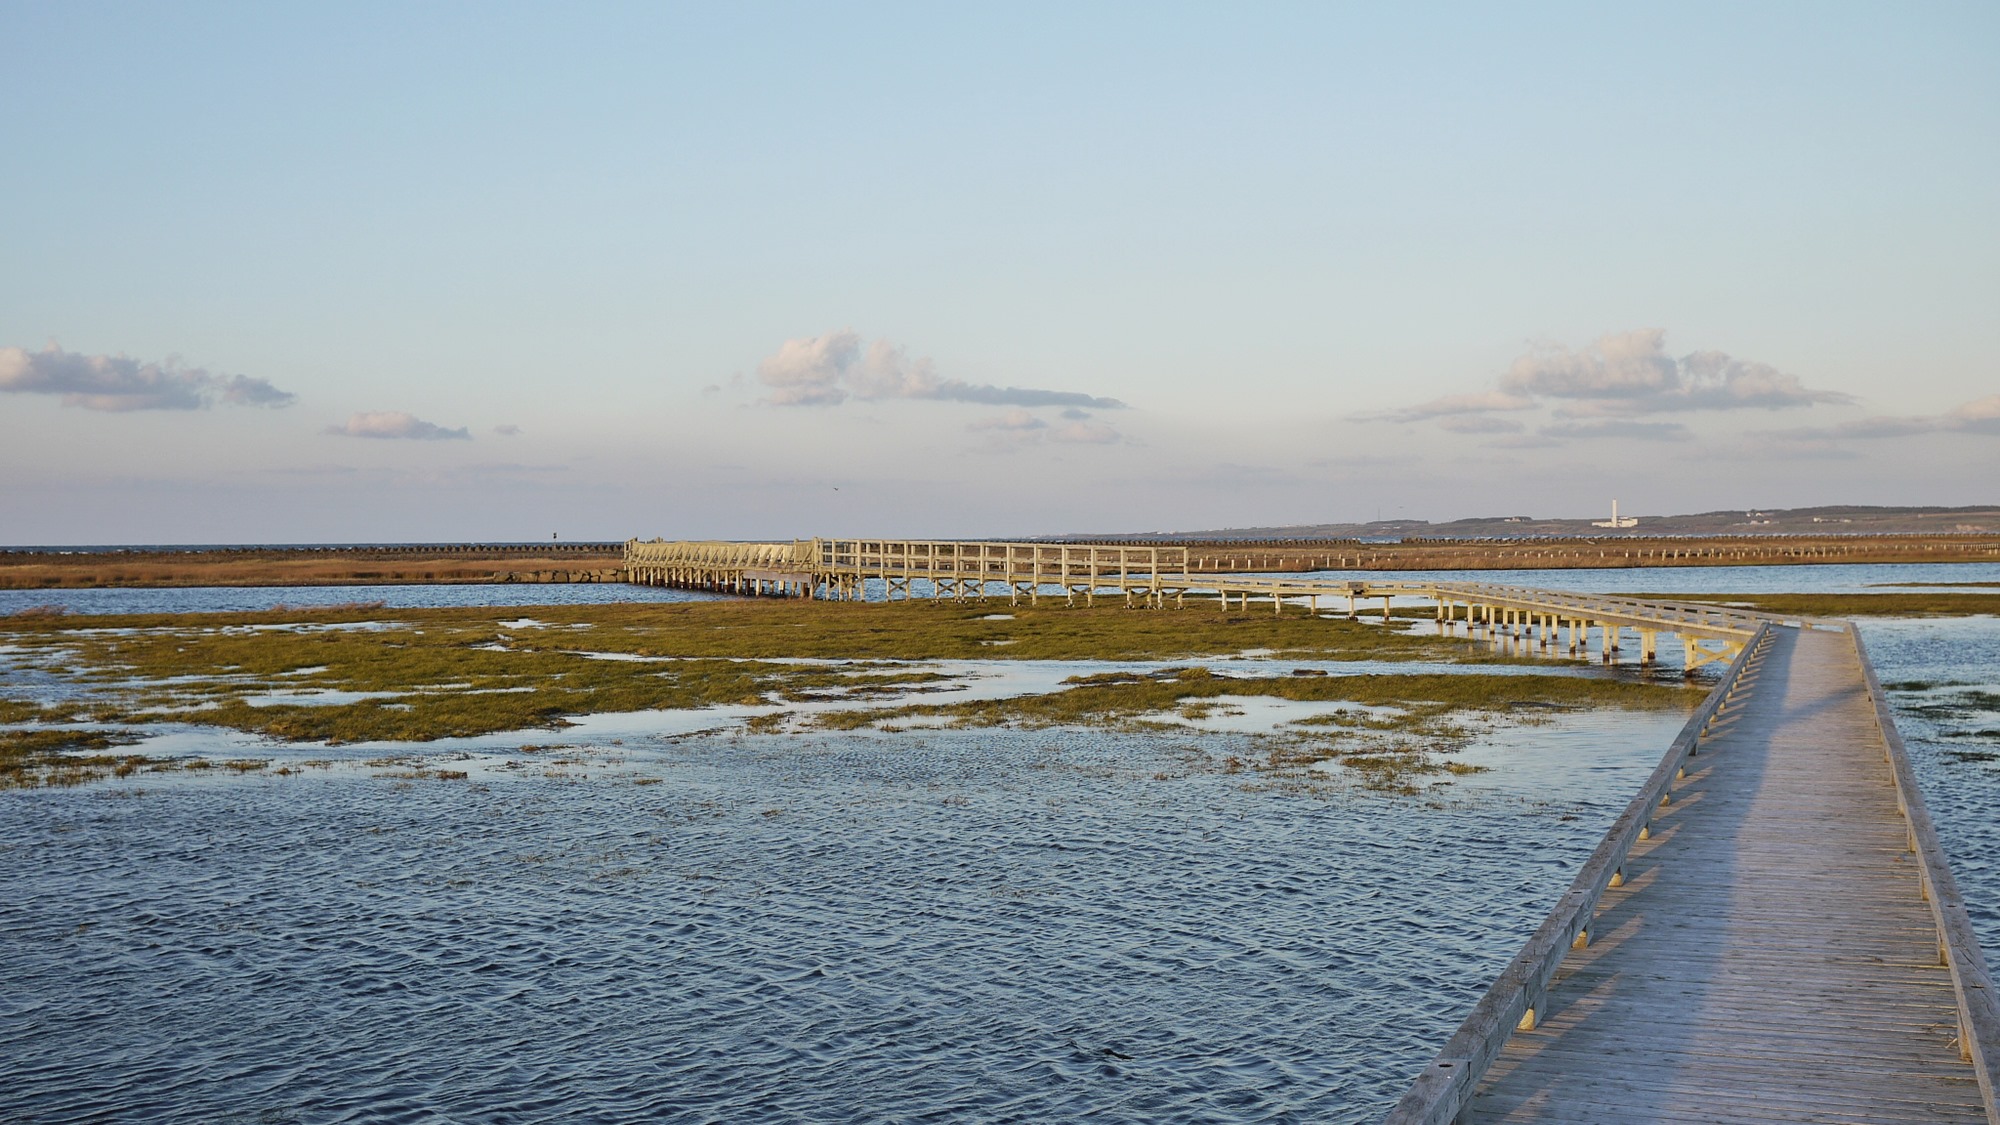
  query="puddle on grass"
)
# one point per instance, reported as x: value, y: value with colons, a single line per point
x: 1257, y: 714
x: 298, y: 627
x: 326, y: 697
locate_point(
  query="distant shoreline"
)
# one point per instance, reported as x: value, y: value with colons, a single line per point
x: 81, y: 568
x: 422, y: 564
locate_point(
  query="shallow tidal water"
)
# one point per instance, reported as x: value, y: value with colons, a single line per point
x: 1956, y: 756
x: 990, y: 926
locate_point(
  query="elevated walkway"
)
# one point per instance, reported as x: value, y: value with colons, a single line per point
x: 1770, y: 933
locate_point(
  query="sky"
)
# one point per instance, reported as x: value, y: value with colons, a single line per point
x: 436, y: 271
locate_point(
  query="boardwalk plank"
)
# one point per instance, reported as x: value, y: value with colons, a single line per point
x: 1770, y: 957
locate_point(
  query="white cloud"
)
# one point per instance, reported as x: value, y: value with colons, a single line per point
x: 1980, y: 416
x: 1618, y: 365
x: 1631, y: 373
x: 118, y: 383
x: 395, y: 424
x: 808, y: 371
x: 827, y: 370
x: 887, y: 371
x: 508, y: 430
x: 1620, y: 375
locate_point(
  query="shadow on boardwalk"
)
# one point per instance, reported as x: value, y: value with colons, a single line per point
x: 1770, y: 957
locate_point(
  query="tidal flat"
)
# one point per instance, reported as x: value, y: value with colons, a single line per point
x: 916, y: 861
x: 84, y: 695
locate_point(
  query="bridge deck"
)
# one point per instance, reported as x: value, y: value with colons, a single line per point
x: 1769, y: 957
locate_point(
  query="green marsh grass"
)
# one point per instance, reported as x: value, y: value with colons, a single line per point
x: 460, y: 672
x: 1389, y: 751
x: 31, y: 759
x: 437, y: 673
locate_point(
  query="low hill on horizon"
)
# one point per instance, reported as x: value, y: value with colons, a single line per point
x: 1841, y: 519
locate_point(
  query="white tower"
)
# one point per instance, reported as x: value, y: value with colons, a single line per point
x: 1614, y: 521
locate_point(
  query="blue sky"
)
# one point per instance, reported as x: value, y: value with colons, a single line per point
x: 354, y: 272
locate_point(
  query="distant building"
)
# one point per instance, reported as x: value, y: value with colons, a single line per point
x: 1614, y: 521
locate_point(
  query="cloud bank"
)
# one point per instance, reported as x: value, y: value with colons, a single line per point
x: 1619, y: 377
x: 1980, y: 416
x: 395, y: 424
x: 829, y: 369
x: 117, y: 384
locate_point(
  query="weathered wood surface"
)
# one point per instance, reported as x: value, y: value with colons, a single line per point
x: 1769, y: 956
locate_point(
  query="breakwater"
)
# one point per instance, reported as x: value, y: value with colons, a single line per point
x: 358, y: 565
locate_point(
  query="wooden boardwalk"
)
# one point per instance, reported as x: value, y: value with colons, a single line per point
x: 1769, y: 956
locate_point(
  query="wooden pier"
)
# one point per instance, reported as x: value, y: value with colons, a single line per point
x: 841, y: 568
x: 1770, y: 932
x: 1159, y: 577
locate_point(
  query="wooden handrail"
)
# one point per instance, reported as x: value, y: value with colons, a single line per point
x: 1958, y: 946
x: 1441, y: 1090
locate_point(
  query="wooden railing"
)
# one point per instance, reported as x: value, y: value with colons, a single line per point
x: 1055, y: 563
x: 1958, y: 946
x: 713, y: 555
x: 1517, y: 998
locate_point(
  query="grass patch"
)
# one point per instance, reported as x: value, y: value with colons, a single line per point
x: 468, y: 671
x: 31, y: 759
x: 1922, y: 585
x: 1098, y: 700
x: 19, y: 711
x: 1966, y: 703
x: 1387, y: 750
x: 471, y: 671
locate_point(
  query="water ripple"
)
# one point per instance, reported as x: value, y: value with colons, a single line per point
x: 990, y: 926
